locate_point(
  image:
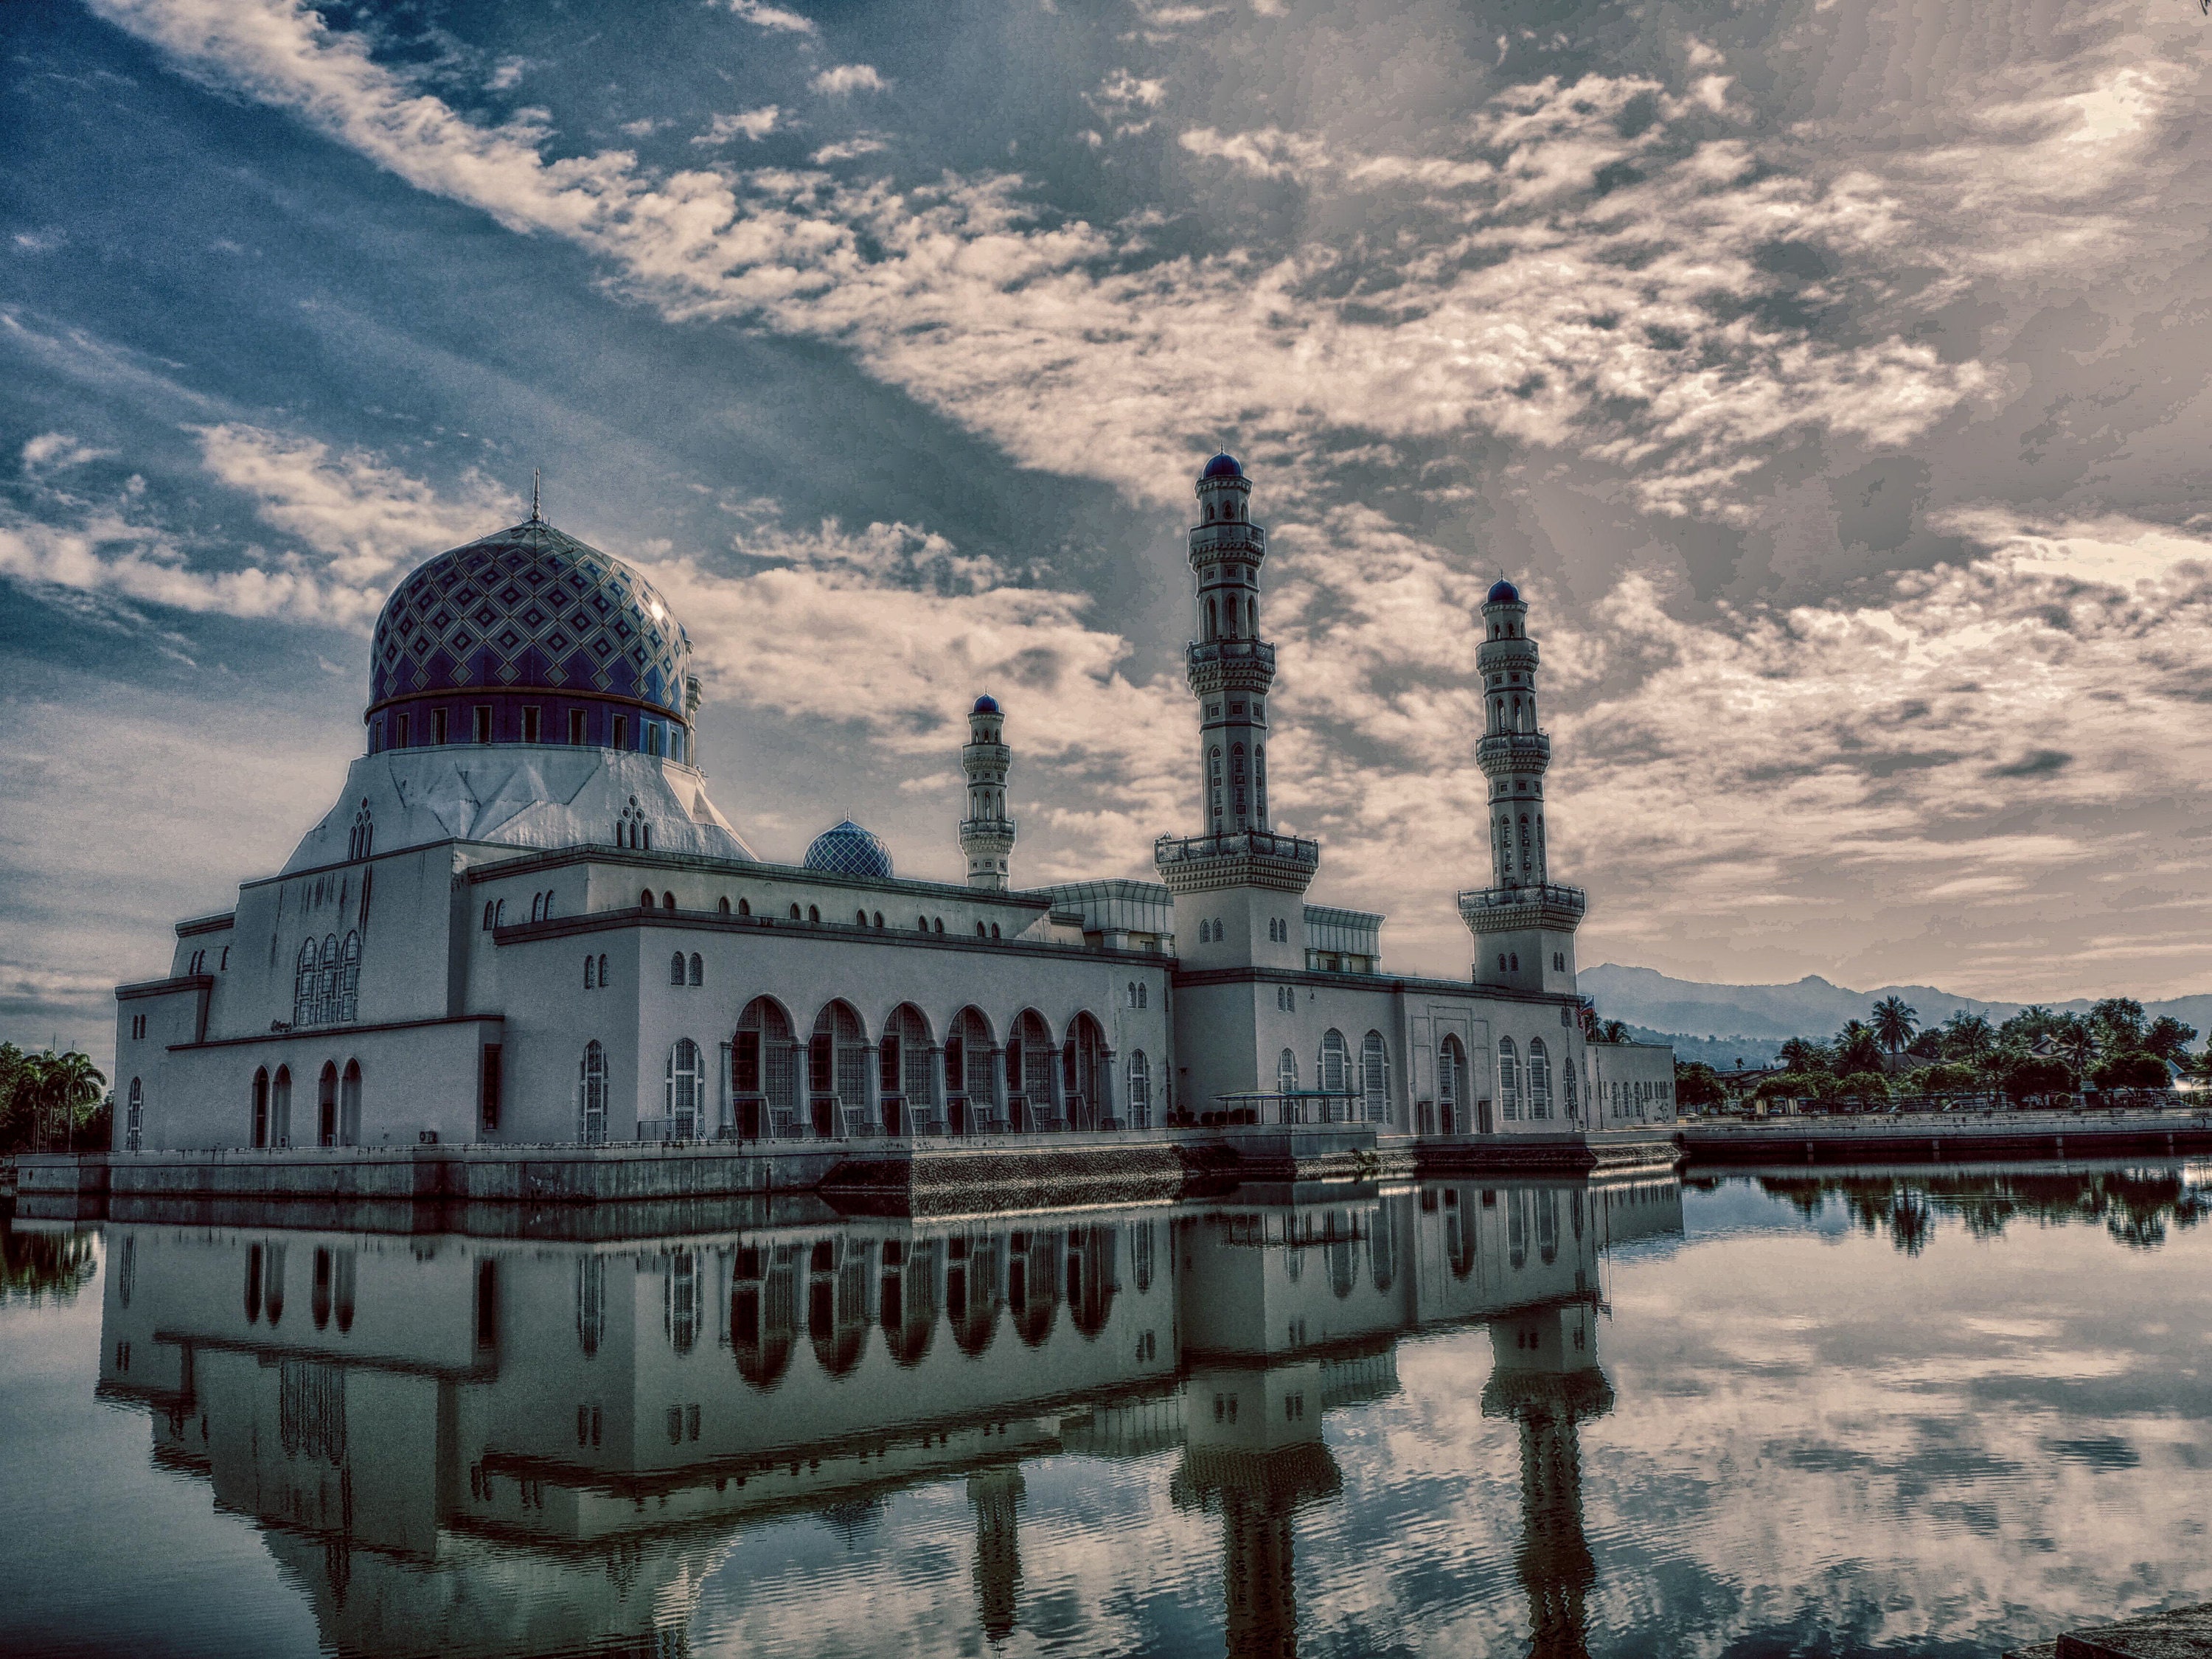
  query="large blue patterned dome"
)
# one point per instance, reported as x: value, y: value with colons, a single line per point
x: 537, y: 618
x: 849, y: 850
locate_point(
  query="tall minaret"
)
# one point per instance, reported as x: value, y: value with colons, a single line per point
x: 1523, y: 924
x: 986, y: 833
x: 1237, y: 885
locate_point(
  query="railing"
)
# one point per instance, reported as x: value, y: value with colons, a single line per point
x: 1302, y: 1106
x: 986, y: 827
x: 1231, y: 843
x: 1498, y: 898
x: 1200, y: 651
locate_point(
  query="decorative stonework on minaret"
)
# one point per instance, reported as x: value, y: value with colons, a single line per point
x: 986, y: 833
x: 1230, y: 671
x: 1524, y: 923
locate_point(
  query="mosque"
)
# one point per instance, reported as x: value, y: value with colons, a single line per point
x: 525, y: 922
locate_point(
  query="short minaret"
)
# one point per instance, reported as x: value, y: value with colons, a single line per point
x: 986, y: 833
x: 1524, y: 923
x: 1238, y: 886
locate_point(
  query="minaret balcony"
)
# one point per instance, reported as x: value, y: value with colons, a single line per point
x: 980, y: 829
x: 1232, y: 651
x: 1507, y: 909
x: 1235, y: 858
x: 1513, y: 751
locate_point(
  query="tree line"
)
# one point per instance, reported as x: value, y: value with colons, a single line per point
x: 2038, y: 1057
x: 49, y: 1102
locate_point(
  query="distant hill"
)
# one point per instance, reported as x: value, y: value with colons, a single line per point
x: 1717, y: 1016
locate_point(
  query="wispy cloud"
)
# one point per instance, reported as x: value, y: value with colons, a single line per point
x: 842, y: 78
x: 753, y: 123
x: 776, y: 18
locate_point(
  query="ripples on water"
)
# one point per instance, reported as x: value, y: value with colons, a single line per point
x: 1928, y: 1413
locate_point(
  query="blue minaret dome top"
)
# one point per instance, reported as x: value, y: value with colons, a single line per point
x: 986, y: 704
x: 1504, y: 592
x: 846, y: 849
x: 1223, y: 465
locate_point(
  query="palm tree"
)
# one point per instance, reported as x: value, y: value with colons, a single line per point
x: 1894, y: 1022
x: 60, y: 1085
x: 1856, y: 1049
x: 2076, y: 1039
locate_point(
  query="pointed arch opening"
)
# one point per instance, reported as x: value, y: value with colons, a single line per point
x: 764, y: 1072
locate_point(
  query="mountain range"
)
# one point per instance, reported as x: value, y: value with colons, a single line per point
x: 1718, y: 1024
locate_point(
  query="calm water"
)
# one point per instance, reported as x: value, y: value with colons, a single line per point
x: 1926, y: 1415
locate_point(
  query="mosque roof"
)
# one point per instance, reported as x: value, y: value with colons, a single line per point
x: 1504, y: 592
x: 1223, y: 465
x: 529, y: 607
x: 846, y: 849
x: 986, y: 704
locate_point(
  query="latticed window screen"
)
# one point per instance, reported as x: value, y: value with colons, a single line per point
x: 591, y: 1096
x: 1509, y: 1080
x: 1540, y: 1080
x: 1335, y: 1063
x: 1375, y: 1078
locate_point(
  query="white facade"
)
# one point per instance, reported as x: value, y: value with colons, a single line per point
x: 530, y: 942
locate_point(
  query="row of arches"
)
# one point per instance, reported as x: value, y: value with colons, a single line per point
x: 336, y: 1121
x: 326, y: 981
x: 330, y: 1298
x: 836, y: 1080
x: 810, y: 914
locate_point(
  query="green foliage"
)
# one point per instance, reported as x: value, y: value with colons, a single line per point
x: 2039, y: 1077
x: 2169, y: 1039
x: 1796, y: 1085
x: 1895, y: 1022
x: 1947, y: 1077
x: 1856, y: 1049
x: 36, y: 1266
x: 1863, y: 1086
x: 1697, y: 1085
x: 2134, y: 1070
x: 1799, y: 1055
x: 50, y: 1099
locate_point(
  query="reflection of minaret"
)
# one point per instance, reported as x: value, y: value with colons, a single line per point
x: 997, y: 1496
x: 1253, y: 1453
x: 1549, y: 1382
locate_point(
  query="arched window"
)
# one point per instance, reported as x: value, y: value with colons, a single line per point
x: 592, y: 1096
x: 134, y: 1120
x: 591, y: 979
x: 499, y: 914
x: 941, y: 925
x: 1212, y: 626
x: 1236, y: 779
x: 1286, y: 1073
x: 981, y: 932
x: 1141, y: 1090
x: 1334, y: 1074
x: 261, y: 1106
x: 994, y: 927
x: 676, y: 969
x: 814, y: 913
x: 920, y: 922
x: 364, y: 833
x: 279, y: 1108
x: 349, y: 1007
x: 1451, y: 1086
x: 838, y: 1061
x: 487, y: 921
x: 683, y: 1092
x: 326, y: 1106
x: 1509, y: 1080
x: 698, y: 970
x: 722, y: 905
x: 603, y: 972
x: 668, y: 902
x: 1540, y: 1080
x: 1144, y: 996
x: 1132, y: 994
x: 744, y: 907
x: 1375, y: 1078
x: 645, y: 900
x: 349, y: 1105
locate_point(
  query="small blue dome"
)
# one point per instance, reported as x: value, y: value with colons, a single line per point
x: 1504, y: 593
x: 849, y: 850
x: 986, y: 704
x: 1223, y: 465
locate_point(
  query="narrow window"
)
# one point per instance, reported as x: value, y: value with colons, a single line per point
x: 668, y: 902
x: 744, y: 907
x: 400, y: 730
x: 722, y: 905
x: 484, y: 723
x: 698, y: 970
x: 814, y: 913
x: 653, y: 737
x: 645, y: 900
x: 676, y: 969
x: 576, y: 726
x: 622, y: 732
x: 591, y: 981
x: 603, y: 973
x: 438, y: 727
x: 487, y: 921
x: 529, y: 717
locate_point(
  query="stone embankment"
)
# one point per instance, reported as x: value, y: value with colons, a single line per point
x: 1936, y: 1137
x: 923, y: 1176
x: 2177, y: 1633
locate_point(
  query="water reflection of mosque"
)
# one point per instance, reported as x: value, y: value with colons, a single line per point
x: 481, y: 1447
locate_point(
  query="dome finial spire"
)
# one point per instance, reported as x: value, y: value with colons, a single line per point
x: 535, y: 516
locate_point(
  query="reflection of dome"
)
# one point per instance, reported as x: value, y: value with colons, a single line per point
x: 531, y: 610
x: 849, y: 850
x: 1223, y: 465
x: 1504, y: 593
x: 986, y: 704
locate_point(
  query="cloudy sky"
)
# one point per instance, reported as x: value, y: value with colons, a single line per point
x: 1831, y: 375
